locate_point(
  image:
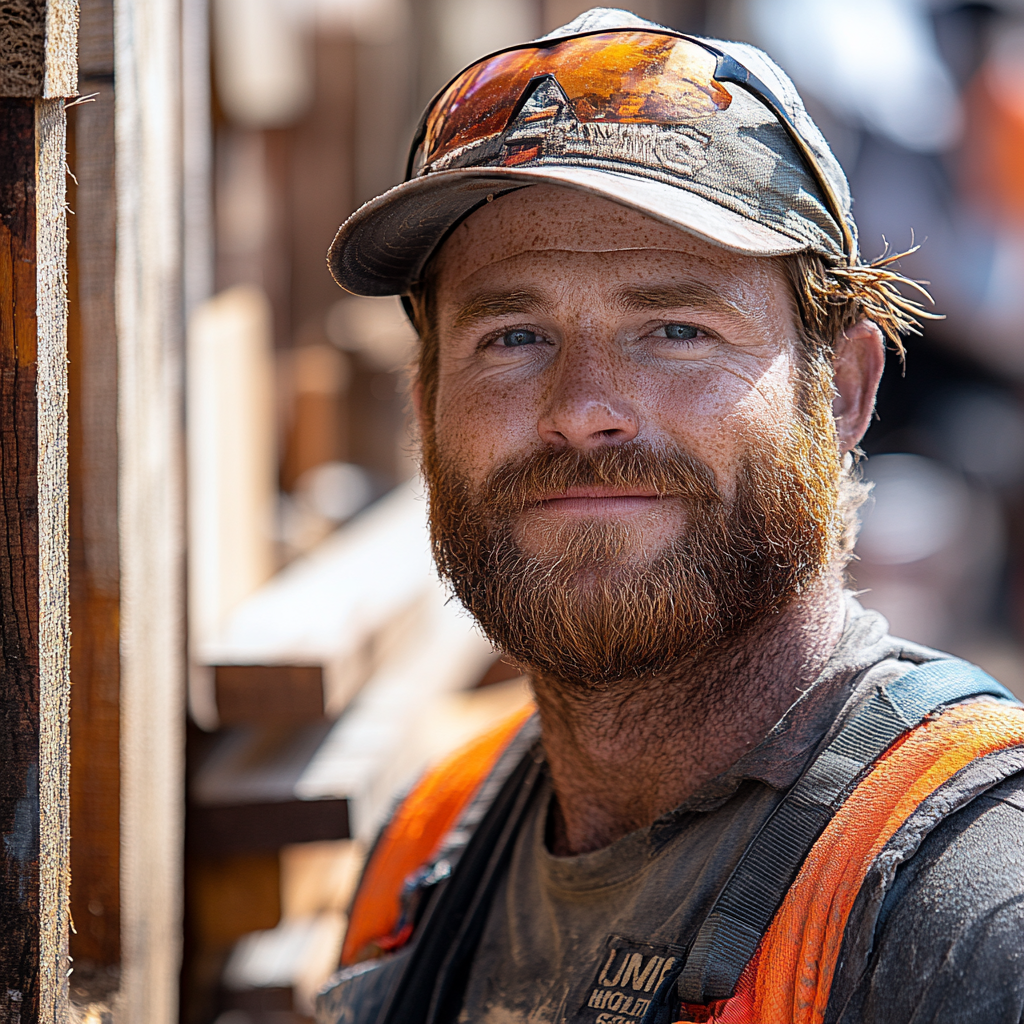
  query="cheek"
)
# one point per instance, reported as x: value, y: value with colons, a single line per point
x: 482, y: 423
x: 714, y: 414
x: 696, y: 409
x: 770, y: 406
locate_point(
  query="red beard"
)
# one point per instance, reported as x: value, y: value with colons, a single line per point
x: 598, y: 612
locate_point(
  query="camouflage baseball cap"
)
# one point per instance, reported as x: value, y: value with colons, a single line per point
x: 688, y: 146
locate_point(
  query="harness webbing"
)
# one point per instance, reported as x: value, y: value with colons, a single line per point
x: 754, y: 892
x: 432, y: 823
x: 431, y: 984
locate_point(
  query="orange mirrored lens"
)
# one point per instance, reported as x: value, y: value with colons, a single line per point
x: 622, y: 77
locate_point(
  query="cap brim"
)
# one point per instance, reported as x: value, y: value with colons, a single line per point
x: 382, y: 248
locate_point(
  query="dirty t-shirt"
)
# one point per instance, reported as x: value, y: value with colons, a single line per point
x: 587, y: 939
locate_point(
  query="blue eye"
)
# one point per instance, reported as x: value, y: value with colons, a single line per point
x: 680, y: 332
x: 513, y: 339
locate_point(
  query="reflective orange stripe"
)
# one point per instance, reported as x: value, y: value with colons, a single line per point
x: 415, y: 832
x: 790, y: 977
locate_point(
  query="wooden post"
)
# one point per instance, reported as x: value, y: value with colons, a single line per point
x: 95, y: 571
x: 127, y: 715
x: 37, y: 69
x: 150, y: 503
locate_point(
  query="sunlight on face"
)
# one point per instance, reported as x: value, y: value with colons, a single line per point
x: 568, y: 321
x: 619, y: 471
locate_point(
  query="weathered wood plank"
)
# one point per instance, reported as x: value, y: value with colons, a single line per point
x: 95, y: 592
x: 94, y: 553
x: 150, y: 505
x: 33, y: 564
x: 19, y: 568
x: 52, y: 512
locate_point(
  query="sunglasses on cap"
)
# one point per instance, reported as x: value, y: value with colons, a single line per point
x: 616, y: 77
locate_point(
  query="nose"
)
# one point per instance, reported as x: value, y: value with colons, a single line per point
x: 585, y: 409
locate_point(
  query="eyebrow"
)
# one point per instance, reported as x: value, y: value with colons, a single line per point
x: 672, y: 296
x: 491, y: 305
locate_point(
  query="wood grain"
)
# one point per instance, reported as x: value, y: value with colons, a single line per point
x: 19, y: 569
x: 95, y: 592
x: 22, y: 47
x: 52, y: 516
x: 33, y: 566
x: 60, y: 72
x: 38, y: 48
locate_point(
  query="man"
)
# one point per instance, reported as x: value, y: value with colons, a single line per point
x: 649, y: 349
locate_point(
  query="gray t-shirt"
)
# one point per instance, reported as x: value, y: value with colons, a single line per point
x: 586, y: 939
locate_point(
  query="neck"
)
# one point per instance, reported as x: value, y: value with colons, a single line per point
x: 625, y: 755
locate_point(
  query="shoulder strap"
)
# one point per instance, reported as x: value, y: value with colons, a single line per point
x: 429, y: 990
x: 795, y: 983
x: 757, y: 887
x: 443, y: 806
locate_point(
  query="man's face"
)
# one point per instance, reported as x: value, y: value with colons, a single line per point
x: 622, y: 437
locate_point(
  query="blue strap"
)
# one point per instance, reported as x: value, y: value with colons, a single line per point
x: 747, y: 904
x: 917, y: 693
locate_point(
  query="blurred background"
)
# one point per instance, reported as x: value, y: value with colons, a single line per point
x: 326, y: 668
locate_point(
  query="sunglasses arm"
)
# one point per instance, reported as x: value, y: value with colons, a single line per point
x: 731, y: 70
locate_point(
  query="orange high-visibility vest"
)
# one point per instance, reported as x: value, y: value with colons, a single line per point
x: 789, y: 977
x: 413, y: 835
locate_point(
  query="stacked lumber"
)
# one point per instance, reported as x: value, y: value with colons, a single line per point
x: 335, y: 684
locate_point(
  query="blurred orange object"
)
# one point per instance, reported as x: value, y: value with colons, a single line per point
x: 994, y: 141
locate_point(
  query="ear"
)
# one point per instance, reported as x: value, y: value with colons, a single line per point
x: 857, y: 368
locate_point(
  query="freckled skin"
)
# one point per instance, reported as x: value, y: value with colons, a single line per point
x: 576, y: 364
x: 603, y: 372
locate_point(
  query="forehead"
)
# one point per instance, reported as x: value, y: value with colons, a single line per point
x: 544, y: 220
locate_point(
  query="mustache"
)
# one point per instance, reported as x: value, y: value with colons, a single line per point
x: 667, y: 470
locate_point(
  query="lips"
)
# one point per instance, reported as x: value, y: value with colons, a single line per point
x: 600, y: 492
x: 598, y: 500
